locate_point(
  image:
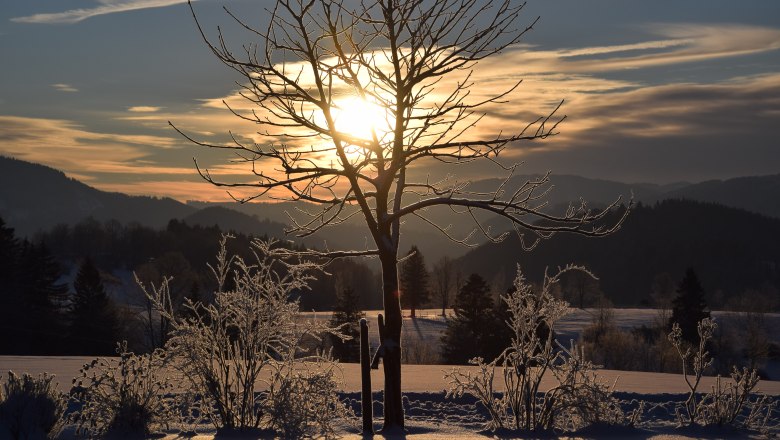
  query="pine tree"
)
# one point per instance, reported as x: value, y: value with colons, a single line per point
x: 41, y: 302
x: 469, y: 331
x: 347, y: 313
x: 9, y: 254
x: 689, y: 307
x: 414, y: 281
x: 94, y: 325
x: 10, y: 299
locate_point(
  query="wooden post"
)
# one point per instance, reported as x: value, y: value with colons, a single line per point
x: 365, y: 370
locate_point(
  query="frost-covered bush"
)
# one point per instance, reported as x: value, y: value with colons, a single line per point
x: 125, y: 397
x: 302, y: 401
x: 732, y: 403
x: 576, y: 400
x: 30, y: 407
x: 248, y: 337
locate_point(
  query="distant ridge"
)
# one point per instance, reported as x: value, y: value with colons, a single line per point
x: 760, y: 194
x: 230, y: 220
x: 36, y: 197
x: 731, y: 250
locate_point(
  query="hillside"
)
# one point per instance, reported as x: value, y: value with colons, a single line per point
x: 35, y: 197
x: 731, y: 250
x: 760, y: 194
x: 231, y: 220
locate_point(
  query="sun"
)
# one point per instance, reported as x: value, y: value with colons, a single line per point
x: 360, y: 118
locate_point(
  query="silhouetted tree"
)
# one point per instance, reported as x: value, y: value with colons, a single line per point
x: 444, y: 276
x: 473, y: 323
x: 391, y: 55
x: 580, y: 289
x: 42, y: 301
x: 9, y: 254
x: 94, y: 325
x: 347, y: 313
x: 689, y: 307
x: 414, y: 281
x: 10, y: 298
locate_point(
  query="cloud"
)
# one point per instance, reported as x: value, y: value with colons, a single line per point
x: 143, y: 109
x: 64, y: 87
x: 106, y: 7
x: 182, y: 190
x: 69, y: 147
x: 685, y: 43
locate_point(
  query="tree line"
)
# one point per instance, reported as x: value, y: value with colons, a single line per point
x: 71, y: 291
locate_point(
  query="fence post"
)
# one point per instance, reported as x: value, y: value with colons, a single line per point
x: 365, y: 370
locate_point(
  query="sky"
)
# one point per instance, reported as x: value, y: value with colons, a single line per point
x: 656, y: 92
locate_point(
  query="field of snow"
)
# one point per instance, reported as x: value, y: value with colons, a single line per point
x: 430, y: 415
x: 416, y: 378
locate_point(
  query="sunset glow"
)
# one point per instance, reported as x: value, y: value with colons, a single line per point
x: 690, y: 80
x: 360, y: 118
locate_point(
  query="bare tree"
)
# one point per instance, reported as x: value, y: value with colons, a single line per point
x: 581, y: 289
x: 443, y: 275
x: 413, y: 61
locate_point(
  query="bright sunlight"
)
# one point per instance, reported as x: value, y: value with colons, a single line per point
x: 358, y: 117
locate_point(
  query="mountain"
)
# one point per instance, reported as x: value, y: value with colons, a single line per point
x: 230, y: 220
x: 565, y: 189
x: 731, y: 250
x: 760, y: 194
x: 35, y: 197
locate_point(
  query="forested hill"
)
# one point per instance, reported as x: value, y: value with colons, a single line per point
x: 731, y: 250
x: 758, y: 194
x: 35, y: 197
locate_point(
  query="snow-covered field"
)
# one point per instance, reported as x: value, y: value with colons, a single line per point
x: 430, y: 415
x: 416, y: 378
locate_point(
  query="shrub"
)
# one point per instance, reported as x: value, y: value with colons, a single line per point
x: 303, y: 402
x: 31, y: 407
x: 250, y: 334
x: 123, y: 397
x: 726, y: 404
x: 577, y: 400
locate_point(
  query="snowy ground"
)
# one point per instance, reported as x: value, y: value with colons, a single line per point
x: 430, y: 415
x: 416, y: 378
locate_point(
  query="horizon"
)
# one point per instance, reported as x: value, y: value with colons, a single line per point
x: 229, y: 200
x: 685, y: 93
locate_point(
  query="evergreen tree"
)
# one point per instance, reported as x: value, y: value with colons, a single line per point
x: 94, y: 325
x: 347, y: 312
x: 41, y: 302
x: 414, y: 281
x: 9, y: 254
x: 10, y: 299
x: 689, y: 307
x: 470, y: 331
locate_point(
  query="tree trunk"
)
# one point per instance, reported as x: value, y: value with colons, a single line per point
x: 393, y: 409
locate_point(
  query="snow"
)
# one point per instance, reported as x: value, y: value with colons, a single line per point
x: 416, y: 378
x: 431, y: 416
